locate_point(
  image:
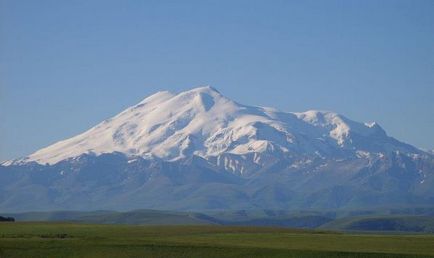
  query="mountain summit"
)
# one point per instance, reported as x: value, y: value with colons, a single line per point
x: 201, y: 150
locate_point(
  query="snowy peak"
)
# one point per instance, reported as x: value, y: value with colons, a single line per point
x: 202, y: 122
x: 340, y: 127
x: 158, y: 97
x: 160, y: 125
x: 203, y: 97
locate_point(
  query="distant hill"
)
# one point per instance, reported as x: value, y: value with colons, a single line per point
x: 154, y: 217
x: 276, y: 218
x: 383, y: 223
x: 145, y: 217
x: 397, y: 221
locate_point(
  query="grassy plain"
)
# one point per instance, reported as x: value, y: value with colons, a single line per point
x: 45, y: 239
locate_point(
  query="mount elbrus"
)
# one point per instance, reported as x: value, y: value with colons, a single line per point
x: 198, y: 150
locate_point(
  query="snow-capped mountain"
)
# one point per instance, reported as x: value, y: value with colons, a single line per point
x: 202, y: 141
x: 204, y: 123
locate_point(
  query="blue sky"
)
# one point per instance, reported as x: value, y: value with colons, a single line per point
x: 67, y: 65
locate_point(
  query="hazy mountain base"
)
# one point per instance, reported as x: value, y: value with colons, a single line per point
x: 407, y: 220
x: 153, y: 217
x: 116, y: 182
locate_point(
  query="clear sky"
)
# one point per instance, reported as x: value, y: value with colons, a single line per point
x: 67, y: 65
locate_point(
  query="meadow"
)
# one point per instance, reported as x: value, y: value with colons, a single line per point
x: 56, y: 239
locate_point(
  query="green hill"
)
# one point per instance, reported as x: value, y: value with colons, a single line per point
x: 275, y: 218
x: 144, y: 217
x: 383, y: 223
x: 156, y: 217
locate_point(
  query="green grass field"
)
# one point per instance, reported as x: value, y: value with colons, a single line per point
x: 83, y: 240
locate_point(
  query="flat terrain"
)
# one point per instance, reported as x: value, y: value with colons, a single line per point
x: 43, y: 239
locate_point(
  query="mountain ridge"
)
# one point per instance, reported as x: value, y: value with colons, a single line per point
x: 208, y: 125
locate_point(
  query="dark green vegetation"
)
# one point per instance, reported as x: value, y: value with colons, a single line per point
x: 25, y: 239
x: 6, y: 218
